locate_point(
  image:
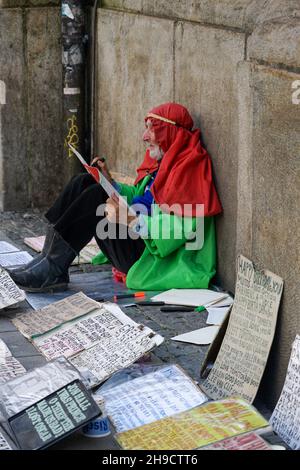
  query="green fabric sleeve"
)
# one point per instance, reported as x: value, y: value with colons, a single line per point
x: 130, y: 191
x: 166, y: 233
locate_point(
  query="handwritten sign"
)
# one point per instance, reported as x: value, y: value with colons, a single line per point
x: 10, y: 367
x: 54, y: 315
x: 249, y: 441
x: 206, y: 424
x: 10, y: 293
x: 153, y: 396
x: 285, y: 419
x: 245, y: 349
x: 54, y: 417
x: 100, y: 342
x: 4, y: 445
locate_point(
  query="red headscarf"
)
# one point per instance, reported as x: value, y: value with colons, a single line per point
x: 185, y: 171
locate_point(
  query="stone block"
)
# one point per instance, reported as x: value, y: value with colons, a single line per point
x: 27, y: 3
x: 277, y: 42
x: 276, y: 221
x: 135, y: 74
x: 44, y: 105
x: 274, y: 195
x: 205, y: 82
x: 229, y: 13
x: 13, y: 160
x: 128, y: 5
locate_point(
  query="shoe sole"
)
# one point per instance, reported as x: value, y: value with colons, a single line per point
x: 50, y: 289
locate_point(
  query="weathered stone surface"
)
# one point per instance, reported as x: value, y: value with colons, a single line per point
x: 230, y: 13
x: 128, y: 5
x: 13, y: 161
x: 276, y: 9
x: 275, y: 194
x: 27, y: 3
x: 245, y: 181
x: 44, y: 105
x: 134, y: 76
x: 277, y: 41
x: 205, y: 82
x: 276, y: 36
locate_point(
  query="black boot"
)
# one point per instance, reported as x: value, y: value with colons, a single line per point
x: 51, y: 272
x: 37, y: 259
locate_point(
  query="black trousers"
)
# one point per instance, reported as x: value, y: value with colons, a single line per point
x: 73, y: 215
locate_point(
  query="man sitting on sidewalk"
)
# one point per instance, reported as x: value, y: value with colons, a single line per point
x: 159, y: 246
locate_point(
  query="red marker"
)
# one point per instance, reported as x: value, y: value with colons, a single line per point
x: 129, y: 296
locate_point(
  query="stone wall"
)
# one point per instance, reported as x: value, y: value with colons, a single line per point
x: 236, y: 65
x: 31, y: 136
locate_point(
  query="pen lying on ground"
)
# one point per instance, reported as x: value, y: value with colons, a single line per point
x: 170, y: 308
x: 148, y: 303
x: 129, y: 296
x: 177, y: 308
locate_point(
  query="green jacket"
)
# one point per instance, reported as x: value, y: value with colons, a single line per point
x: 167, y: 263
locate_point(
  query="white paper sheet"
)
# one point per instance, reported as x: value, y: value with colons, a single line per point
x: 151, y: 397
x: 10, y: 294
x: 216, y: 316
x: 4, y: 351
x: 4, y: 445
x: 10, y: 367
x: 106, y: 185
x: 226, y: 302
x: 99, y: 343
x: 189, y: 297
x: 41, y: 321
x: 15, y: 259
x: 285, y: 419
x: 7, y: 247
x: 202, y: 336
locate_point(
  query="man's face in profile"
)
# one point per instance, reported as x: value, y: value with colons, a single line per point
x: 155, y: 151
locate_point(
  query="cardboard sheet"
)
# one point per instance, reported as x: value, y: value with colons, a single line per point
x: 41, y: 321
x: 285, y: 419
x: 245, y: 349
x: 98, y: 338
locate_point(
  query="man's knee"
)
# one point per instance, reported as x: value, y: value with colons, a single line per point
x: 82, y: 178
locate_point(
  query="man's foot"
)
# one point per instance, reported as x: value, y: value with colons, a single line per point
x: 51, y: 272
x: 38, y: 258
x: 43, y: 276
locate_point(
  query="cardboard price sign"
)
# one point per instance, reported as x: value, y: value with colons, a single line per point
x: 55, y: 417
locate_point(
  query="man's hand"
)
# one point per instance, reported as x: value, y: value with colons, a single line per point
x: 99, y: 163
x: 117, y: 212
